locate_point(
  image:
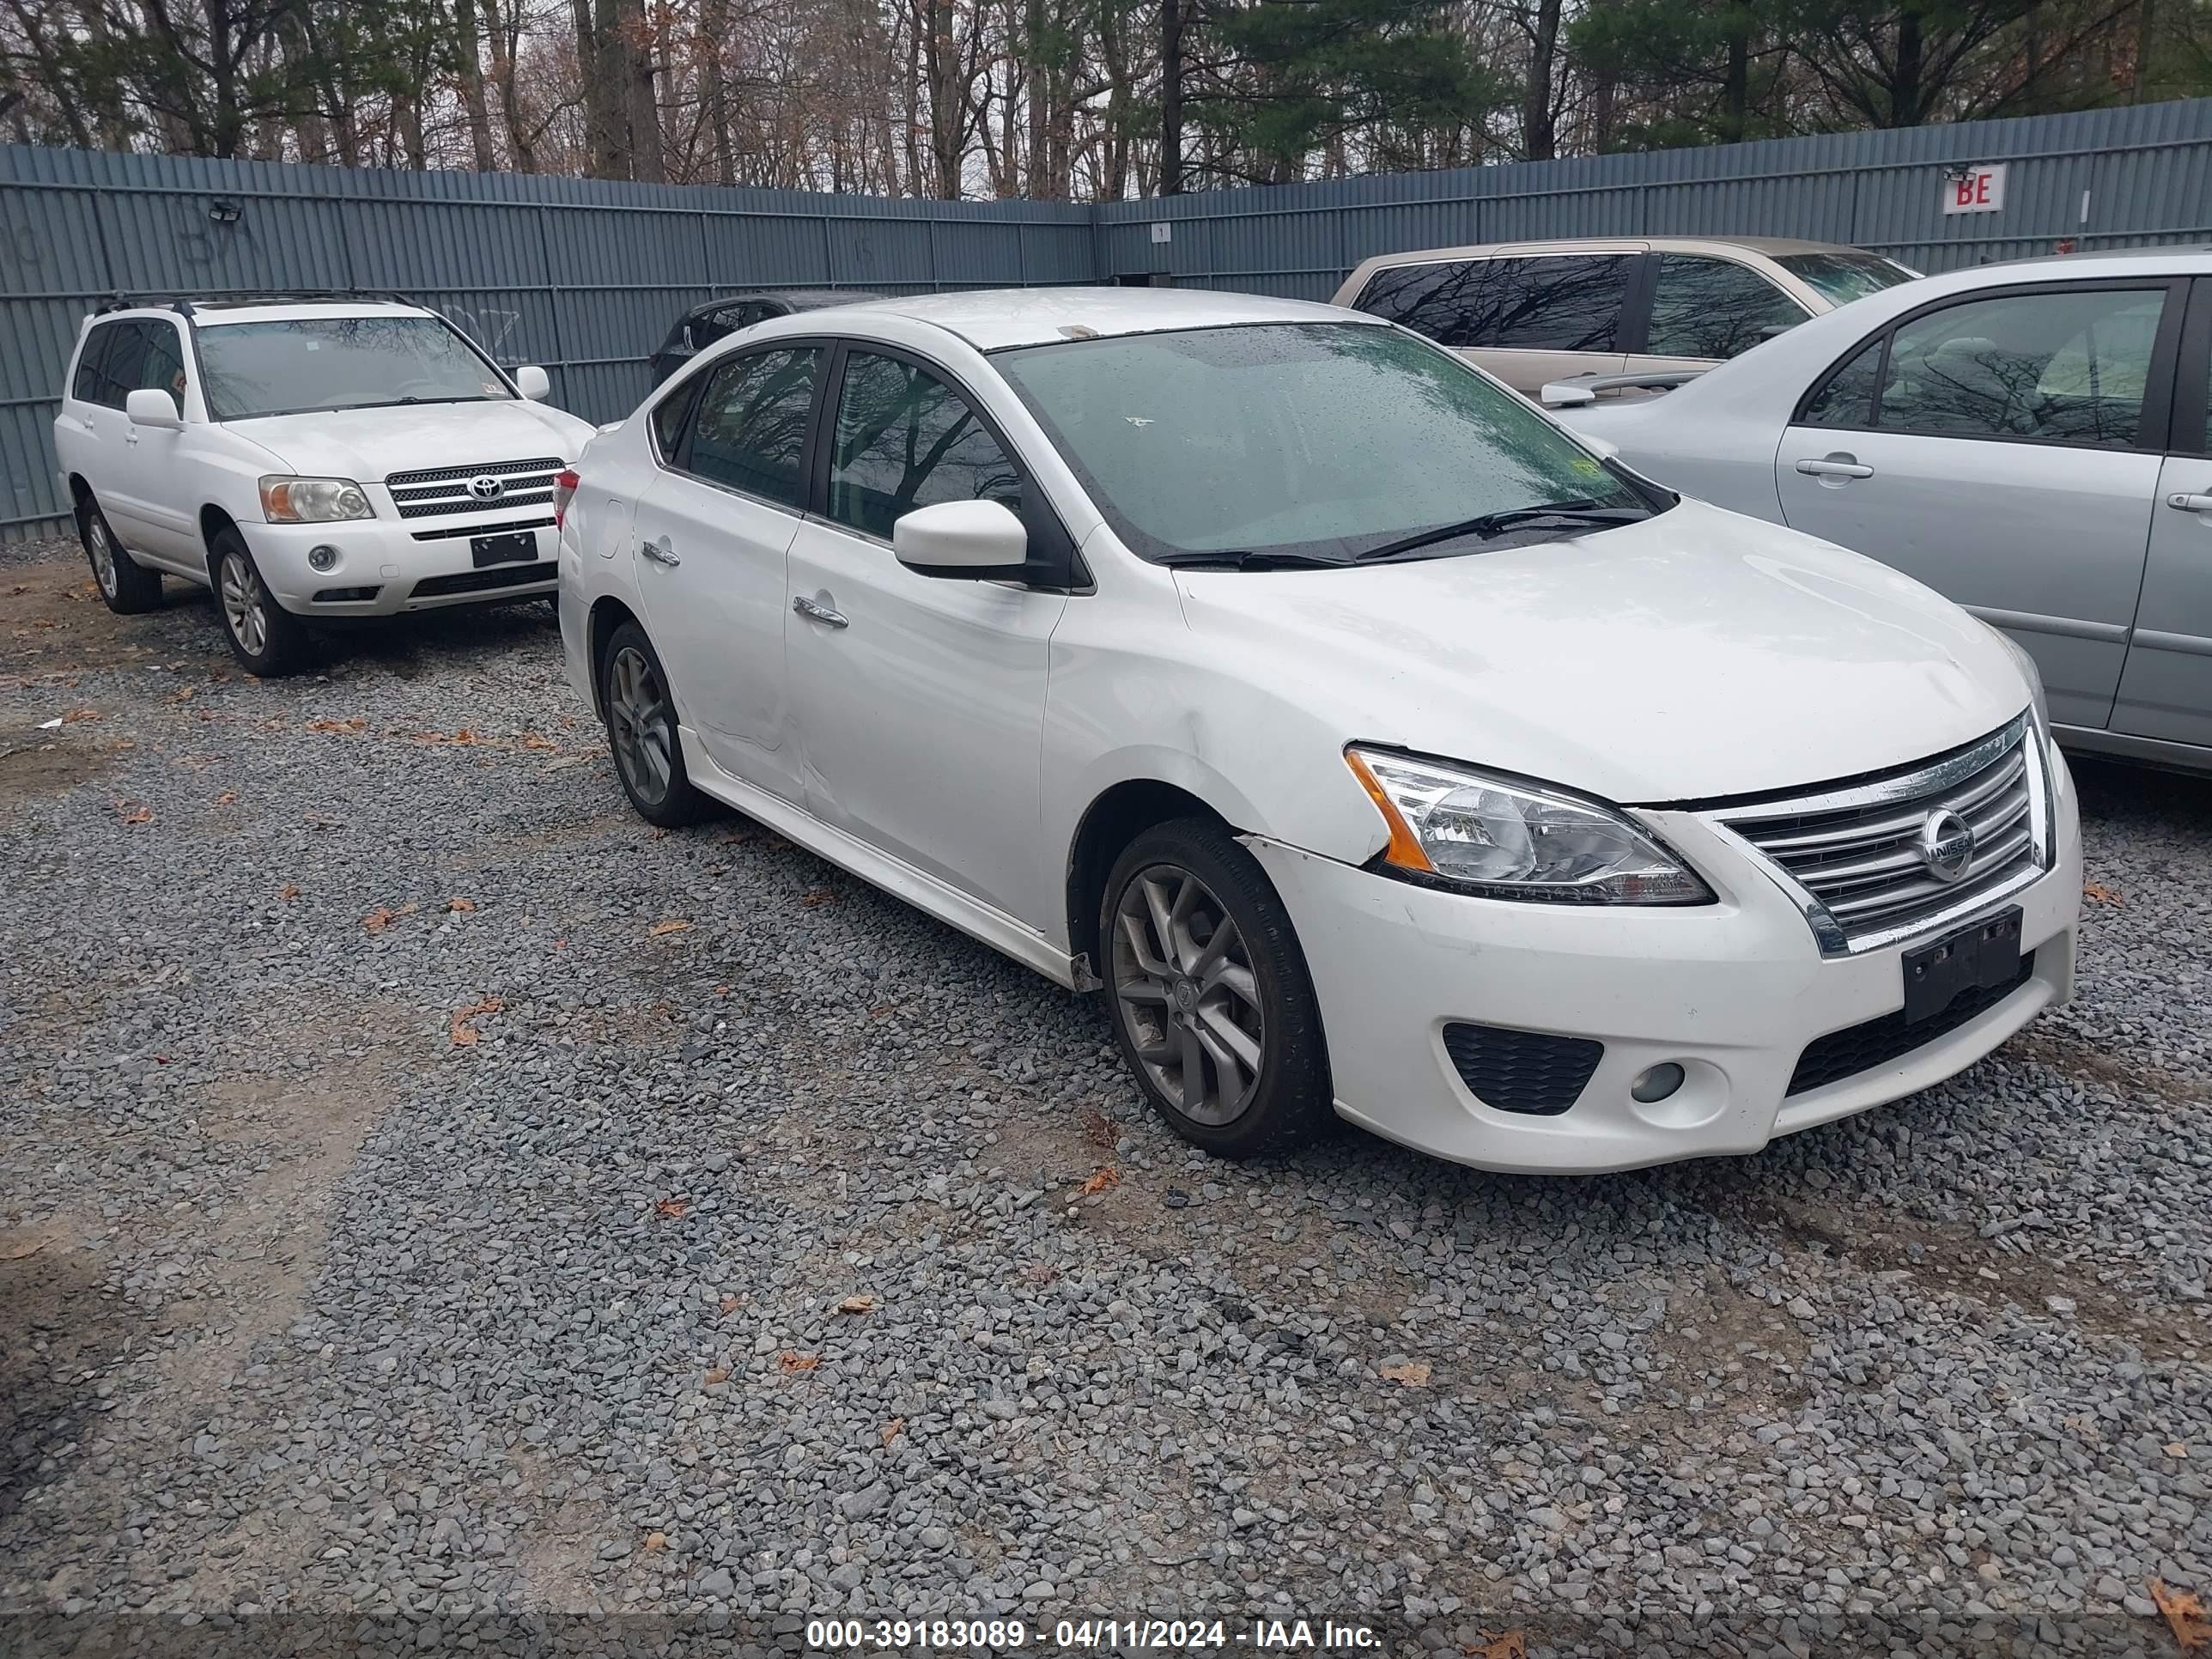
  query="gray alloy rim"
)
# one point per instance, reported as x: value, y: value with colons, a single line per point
x: 102, y: 555
x: 643, y: 724
x: 241, y: 605
x: 1184, y: 981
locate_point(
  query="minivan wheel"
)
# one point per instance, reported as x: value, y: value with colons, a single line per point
x: 127, y: 586
x: 642, y: 731
x: 269, y: 640
x: 1212, y: 1003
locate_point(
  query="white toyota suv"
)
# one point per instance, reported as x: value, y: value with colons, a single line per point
x: 310, y: 460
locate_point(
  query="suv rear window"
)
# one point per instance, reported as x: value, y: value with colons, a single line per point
x: 1541, y: 302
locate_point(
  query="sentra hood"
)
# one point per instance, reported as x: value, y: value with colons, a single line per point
x: 367, y: 444
x: 1698, y: 654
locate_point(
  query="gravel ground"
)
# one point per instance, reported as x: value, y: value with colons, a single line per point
x: 429, y: 1199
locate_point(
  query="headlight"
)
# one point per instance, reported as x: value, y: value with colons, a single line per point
x: 1512, y: 840
x: 312, y: 500
x: 2028, y: 672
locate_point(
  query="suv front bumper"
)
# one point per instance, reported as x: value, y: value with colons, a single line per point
x: 387, y: 566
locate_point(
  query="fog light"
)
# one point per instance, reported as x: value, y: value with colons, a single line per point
x: 1655, y: 1084
x: 324, y: 557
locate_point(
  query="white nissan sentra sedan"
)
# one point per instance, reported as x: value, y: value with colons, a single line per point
x: 1382, y: 751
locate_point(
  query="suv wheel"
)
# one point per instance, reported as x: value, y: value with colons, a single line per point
x: 127, y: 586
x: 1213, y: 1007
x: 269, y: 640
x: 642, y: 731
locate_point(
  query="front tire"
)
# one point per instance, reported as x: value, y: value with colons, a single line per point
x: 1212, y: 1003
x: 266, y: 638
x: 127, y: 586
x: 640, y: 713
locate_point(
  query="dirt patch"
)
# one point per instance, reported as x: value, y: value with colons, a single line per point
x: 54, y: 622
x: 35, y: 764
x: 2072, y: 1057
x: 52, y: 1343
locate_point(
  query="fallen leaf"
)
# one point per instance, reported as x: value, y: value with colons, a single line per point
x: 857, y: 1304
x: 460, y: 904
x: 1107, y: 1176
x: 77, y: 714
x: 656, y: 1541
x: 894, y: 1429
x: 2185, y: 1616
x: 383, y: 916
x: 656, y: 834
x: 731, y: 1303
x: 1039, y: 1273
x: 817, y: 895
x: 531, y: 740
x: 1414, y: 1373
x: 790, y: 1361
x: 464, y: 1034
x: 133, y: 811
x: 672, y: 1209
x: 1510, y: 1644
x: 720, y: 1374
x: 289, y: 891
x: 660, y: 929
x: 1098, y: 1129
x: 2177, y: 1448
x: 228, y: 797
x: 2097, y: 893
x: 336, y: 726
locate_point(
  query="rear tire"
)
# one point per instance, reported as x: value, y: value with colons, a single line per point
x: 1212, y: 1005
x: 127, y: 586
x: 266, y: 638
x: 641, y: 716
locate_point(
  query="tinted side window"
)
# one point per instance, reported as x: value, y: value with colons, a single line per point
x: 751, y: 432
x: 906, y: 439
x: 90, y: 384
x: 162, y: 366
x: 124, y: 362
x: 1408, y: 295
x: 1845, y: 399
x: 2066, y: 368
x: 1707, y: 307
x: 1568, y: 302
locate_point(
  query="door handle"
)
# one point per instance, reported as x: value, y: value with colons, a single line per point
x: 131, y: 436
x: 1835, y: 469
x: 2189, y: 503
x: 815, y: 612
x: 659, y: 552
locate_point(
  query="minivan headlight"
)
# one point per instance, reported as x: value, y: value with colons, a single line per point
x: 1506, y: 838
x: 312, y: 500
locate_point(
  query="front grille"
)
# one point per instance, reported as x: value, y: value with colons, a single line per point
x: 445, y: 490
x: 345, y: 595
x: 1529, y: 1072
x: 1855, y: 850
x: 1877, y: 1041
x: 481, y: 581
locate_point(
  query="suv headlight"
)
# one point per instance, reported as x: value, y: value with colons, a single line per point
x: 312, y: 500
x: 2029, y: 673
x: 1509, y: 839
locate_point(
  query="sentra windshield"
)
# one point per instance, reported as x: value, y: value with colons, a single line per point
x: 338, y: 362
x: 1280, y: 443
x: 1840, y: 278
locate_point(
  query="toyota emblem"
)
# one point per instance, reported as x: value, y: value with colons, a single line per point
x: 1947, y: 845
x: 485, y: 488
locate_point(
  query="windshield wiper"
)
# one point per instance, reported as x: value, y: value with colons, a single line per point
x: 1242, y: 560
x: 1584, y: 512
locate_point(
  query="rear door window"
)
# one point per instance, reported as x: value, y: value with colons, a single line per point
x: 90, y: 384
x: 1558, y: 302
x: 750, y: 431
x: 1707, y: 307
x: 122, y: 359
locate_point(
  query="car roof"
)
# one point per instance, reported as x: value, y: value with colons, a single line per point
x: 215, y: 312
x: 995, y: 320
x: 1769, y: 246
x: 798, y: 299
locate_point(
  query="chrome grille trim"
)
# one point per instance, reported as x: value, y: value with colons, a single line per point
x: 443, y: 491
x: 1849, y: 855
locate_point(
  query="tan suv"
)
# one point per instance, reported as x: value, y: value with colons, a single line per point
x: 1536, y: 312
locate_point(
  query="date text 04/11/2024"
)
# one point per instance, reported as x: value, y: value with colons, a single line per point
x: 1167, y: 1635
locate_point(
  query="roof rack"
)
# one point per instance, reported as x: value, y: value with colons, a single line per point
x: 187, y: 305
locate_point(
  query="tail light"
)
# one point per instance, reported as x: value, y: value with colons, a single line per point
x: 564, y: 491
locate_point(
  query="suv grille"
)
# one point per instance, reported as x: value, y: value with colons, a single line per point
x: 445, y: 490
x: 1853, y: 853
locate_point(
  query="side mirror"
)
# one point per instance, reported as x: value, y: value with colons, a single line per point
x: 1566, y: 394
x: 533, y: 383
x: 151, y: 406
x: 979, y: 540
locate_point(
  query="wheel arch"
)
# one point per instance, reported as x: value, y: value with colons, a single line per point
x: 1116, y: 817
x: 213, y: 522
x: 607, y: 614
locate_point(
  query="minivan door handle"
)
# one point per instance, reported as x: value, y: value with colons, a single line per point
x: 2189, y: 503
x: 814, y: 612
x: 1833, y: 468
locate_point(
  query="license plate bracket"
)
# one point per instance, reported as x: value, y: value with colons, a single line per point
x: 1980, y: 956
x: 519, y: 546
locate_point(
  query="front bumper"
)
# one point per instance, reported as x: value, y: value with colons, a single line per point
x: 387, y: 566
x: 1733, y: 991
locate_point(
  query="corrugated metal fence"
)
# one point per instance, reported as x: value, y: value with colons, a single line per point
x: 585, y: 277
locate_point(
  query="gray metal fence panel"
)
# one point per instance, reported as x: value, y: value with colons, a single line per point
x: 584, y: 276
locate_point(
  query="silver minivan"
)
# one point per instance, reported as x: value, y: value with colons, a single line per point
x: 1534, y: 312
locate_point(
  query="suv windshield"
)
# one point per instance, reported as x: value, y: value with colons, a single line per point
x: 1840, y: 279
x: 338, y: 362
x: 1303, y: 442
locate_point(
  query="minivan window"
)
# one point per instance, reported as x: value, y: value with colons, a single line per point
x: 1299, y: 441
x: 1840, y: 278
x: 751, y: 431
x: 1703, y: 306
x: 1559, y: 302
x: 1453, y: 302
x: 313, y: 363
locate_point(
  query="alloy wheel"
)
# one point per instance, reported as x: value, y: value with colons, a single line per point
x: 1184, y: 980
x: 241, y: 605
x: 643, y: 724
x: 101, y: 552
